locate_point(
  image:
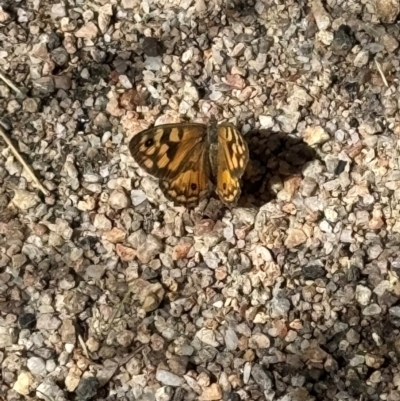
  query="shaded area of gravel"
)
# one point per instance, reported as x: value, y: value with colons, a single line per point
x: 107, y: 291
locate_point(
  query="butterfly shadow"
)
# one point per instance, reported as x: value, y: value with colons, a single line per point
x: 273, y: 159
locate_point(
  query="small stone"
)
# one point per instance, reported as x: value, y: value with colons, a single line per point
x: 321, y: 17
x: 390, y: 43
x: 12, y: 166
x: 69, y: 43
x: 152, y: 47
x: 125, y: 253
x: 73, y: 378
x: 4, y: 16
x: 48, y: 390
x: 87, y: 388
x: 395, y: 311
x: 315, y: 135
x: 27, y: 321
x: 55, y: 240
x: 164, y: 394
x: 258, y: 341
x: 233, y: 80
x: 13, y: 106
x: 288, y: 120
x: 343, y: 41
x: 54, y: 41
x: 279, y: 307
x: 24, y: 200
x: 374, y: 251
x: 362, y: 59
x: 60, y: 56
x: 259, y: 63
x: 24, y: 383
x: 125, y: 82
x: 357, y: 360
x: 48, y: 321
x: 44, y: 85
x: 374, y: 361
x: 153, y: 63
x: 31, y: 105
x: 18, y: 260
x: 151, y: 296
x: 125, y: 338
x: 207, y: 336
x: 62, y: 82
x: 88, y: 31
x: 181, y: 250
x: 238, y: 50
x: 231, y: 339
x: 68, y: 332
x: 324, y: 37
x: 266, y: 122
x: 115, y: 235
x: 4, y: 90
x: 118, y: 199
x: 387, y: 10
x: 376, y: 222
x: 308, y: 187
x: 363, y: 295
x: 37, y: 366
x: 372, y: 310
x: 211, y: 393
x: 58, y: 10
x: 137, y: 197
x: 150, y: 249
x: 104, y: 18
x: 261, y: 378
x: 295, y: 238
x: 7, y: 337
x: 169, y: 379
x: 102, y: 223
x: 128, y: 4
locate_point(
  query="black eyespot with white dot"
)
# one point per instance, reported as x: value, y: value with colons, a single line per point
x: 193, y: 186
x: 149, y: 143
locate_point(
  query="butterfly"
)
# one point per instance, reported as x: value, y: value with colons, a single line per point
x: 190, y: 159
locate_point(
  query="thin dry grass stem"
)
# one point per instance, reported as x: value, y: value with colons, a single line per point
x: 12, y: 85
x: 22, y: 161
x: 379, y: 68
x: 119, y: 308
x: 84, y: 348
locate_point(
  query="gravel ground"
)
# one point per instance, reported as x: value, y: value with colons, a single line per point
x: 108, y: 291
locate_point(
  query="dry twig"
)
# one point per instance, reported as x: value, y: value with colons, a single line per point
x: 12, y: 85
x: 378, y: 66
x: 22, y: 161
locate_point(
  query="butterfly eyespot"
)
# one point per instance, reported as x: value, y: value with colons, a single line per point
x: 149, y: 143
x: 194, y: 187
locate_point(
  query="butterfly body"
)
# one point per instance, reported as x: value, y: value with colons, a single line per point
x: 190, y: 158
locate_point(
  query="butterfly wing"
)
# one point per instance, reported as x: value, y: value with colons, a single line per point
x: 176, y: 154
x: 233, y: 155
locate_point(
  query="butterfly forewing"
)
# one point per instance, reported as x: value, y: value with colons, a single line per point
x: 176, y: 154
x: 233, y: 155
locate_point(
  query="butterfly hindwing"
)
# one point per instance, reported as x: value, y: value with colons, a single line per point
x: 177, y: 155
x: 191, y: 183
x: 233, y: 155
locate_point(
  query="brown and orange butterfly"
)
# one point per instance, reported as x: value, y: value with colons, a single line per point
x: 189, y: 159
